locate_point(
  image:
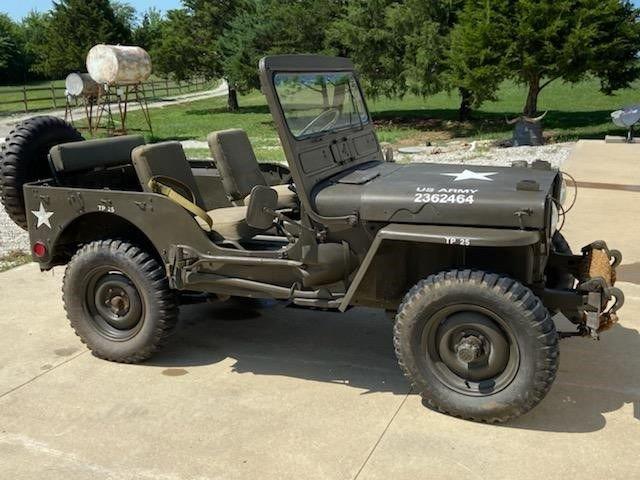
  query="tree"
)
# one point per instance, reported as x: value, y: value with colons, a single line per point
x: 477, y: 63
x: 398, y: 47
x: 190, y: 39
x: 74, y: 27
x: 125, y: 14
x: 11, y: 50
x: 542, y: 41
x: 572, y: 38
x: 148, y: 33
x: 34, y: 31
x: 175, y: 53
x: 269, y: 27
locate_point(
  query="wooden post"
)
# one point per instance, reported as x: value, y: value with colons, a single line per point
x: 179, y: 89
x: 24, y: 98
x: 166, y: 86
x: 53, y: 96
x: 153, y: 89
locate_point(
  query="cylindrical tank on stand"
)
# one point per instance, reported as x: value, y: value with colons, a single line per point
x: 118, y: 64
x: 81, y: 85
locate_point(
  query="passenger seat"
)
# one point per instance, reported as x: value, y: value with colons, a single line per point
x: 239, y: 169
x: 163, y: 166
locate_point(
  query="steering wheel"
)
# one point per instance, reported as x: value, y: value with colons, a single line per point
x: 333, y: 111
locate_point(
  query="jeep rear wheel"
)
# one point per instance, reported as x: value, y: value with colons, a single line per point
x: 118, y: 301
x: 475, y: 345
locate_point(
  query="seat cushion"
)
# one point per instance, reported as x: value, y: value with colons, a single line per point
x: 165, y: 159
x: 229, y: 223
x: 236, y: 161
x: 91, y: 154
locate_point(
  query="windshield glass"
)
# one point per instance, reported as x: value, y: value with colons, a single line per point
x: 320, y: 102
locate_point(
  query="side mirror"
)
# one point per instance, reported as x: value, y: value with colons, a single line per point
x: 261, y: 210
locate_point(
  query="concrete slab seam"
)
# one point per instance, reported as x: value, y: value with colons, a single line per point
x: 386, y: 428
x: 41, y: 374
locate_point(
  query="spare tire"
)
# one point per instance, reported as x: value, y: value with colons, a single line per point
x: 23, y: 159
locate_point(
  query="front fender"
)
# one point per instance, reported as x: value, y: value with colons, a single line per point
x: 438, y: 234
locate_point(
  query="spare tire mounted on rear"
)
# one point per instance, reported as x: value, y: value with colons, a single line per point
x: 23, y: 159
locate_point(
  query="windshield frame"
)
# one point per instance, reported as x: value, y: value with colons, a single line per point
x: 358, y: 125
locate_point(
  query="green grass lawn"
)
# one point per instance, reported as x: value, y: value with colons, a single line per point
x: 575, y: 111
x: 13, y: 259
x: 11, y: 97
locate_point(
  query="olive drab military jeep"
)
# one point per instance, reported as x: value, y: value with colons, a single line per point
x: 469, y: 259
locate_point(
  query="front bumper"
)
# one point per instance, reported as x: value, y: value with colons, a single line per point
x: 594, y: 301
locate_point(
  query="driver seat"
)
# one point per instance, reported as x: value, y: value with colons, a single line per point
x: 239, y: 169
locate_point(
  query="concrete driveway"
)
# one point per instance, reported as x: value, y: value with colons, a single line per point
x: 282, y: 393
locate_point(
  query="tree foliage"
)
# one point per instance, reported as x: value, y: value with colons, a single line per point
x: 190, y: 40
x: 148, y: 33
x: 11, y: 50
x: 399, y: 47
x: 537, y: 42
x: 74, y: 27
x: 269, y: 27
x: 477, y: 52
x: 34, y: 30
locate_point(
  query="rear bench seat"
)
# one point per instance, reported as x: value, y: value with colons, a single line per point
x: 76, y: 157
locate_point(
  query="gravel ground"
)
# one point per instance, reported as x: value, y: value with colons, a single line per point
x: 13, y: 238
x: 486, y: 153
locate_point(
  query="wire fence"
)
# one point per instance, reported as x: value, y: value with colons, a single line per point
x: 28, y: 99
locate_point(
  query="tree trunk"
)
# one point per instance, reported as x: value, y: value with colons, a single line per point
x: 531, y: 107
x: 325, y: 96
x: 464, y: 112
x: 232, y: 99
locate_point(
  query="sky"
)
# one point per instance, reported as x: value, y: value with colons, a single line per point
x: 17, y: 9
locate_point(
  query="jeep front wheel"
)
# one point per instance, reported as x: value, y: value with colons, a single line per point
x: 475, y: 345
x: 118, y: 301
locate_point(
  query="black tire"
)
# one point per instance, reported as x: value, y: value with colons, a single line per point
x: 23, y: 159
x: 139, y: 311
x: 557, y: 278
x: 515, y: 350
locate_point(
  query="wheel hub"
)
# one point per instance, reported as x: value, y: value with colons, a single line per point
x: 469, y: 348
x: 119, y: 303
x: 118, y: 306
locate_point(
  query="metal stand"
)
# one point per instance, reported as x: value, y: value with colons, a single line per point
x: 115, y: 123
x: 88, y: 102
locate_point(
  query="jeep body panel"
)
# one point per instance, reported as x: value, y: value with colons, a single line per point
x: 441, y: 194
x: 439, y: 235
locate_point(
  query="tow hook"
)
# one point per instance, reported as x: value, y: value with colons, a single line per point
x: 597, y: 279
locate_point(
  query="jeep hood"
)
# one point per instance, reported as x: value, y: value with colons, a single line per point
x: 444, y: 194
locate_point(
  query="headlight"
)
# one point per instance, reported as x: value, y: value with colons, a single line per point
x: 554, y: 218
x: 563, y: 192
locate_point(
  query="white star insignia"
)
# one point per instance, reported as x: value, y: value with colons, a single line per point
x: 469, y: 175
x: 43, y: 216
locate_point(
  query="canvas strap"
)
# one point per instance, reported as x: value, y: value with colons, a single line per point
x: 167, y: 185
